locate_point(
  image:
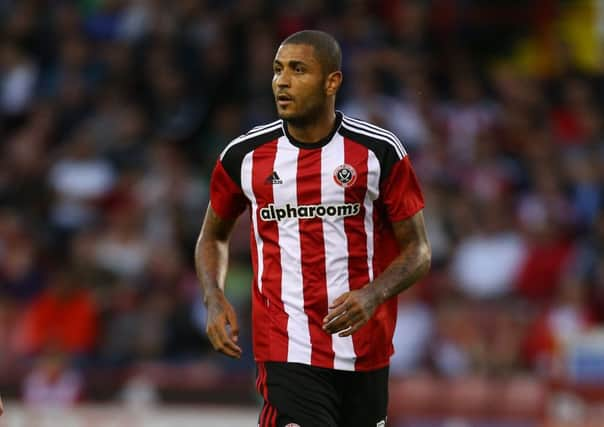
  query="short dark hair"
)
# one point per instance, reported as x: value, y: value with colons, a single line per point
x: 326, y: 47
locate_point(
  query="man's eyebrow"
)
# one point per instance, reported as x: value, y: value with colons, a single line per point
x: 293, y: 63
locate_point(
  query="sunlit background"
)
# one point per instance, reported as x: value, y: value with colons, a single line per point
x: 112, y: 114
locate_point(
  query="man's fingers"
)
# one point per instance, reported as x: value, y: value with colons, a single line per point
x: 334, y: 317
x: 232, y: 321
x: 348, y: 316
x: 220, y: 339
x: 339, y: 300
x: 344, y: 322
x: 352, y: 322
x: 339, y: 309
x: 354, y: 327
x: 230, y: 352
x: 227, y: 345
x: 225, y: 339
x: 337, y: 323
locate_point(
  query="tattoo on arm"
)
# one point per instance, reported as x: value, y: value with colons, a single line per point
x: 411, y: 264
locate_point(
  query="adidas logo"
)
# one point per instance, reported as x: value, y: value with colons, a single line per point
x: 273, y: 178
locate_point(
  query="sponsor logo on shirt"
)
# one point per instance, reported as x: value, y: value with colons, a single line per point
x: 278, y: 213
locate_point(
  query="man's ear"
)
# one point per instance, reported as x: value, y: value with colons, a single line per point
x: 333, y: 82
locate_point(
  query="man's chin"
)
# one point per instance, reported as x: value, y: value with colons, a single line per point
x: 286, y: 115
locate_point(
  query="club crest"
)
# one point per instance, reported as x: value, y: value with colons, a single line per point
x: 345, y: 175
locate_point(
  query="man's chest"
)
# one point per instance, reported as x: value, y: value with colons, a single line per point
x: 324, y: 176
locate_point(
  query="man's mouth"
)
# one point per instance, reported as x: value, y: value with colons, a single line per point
x: 284, y: 99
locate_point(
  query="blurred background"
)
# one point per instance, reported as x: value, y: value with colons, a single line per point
x: 112, y: 114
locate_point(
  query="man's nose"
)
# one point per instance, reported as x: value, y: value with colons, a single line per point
x: 283, y: 80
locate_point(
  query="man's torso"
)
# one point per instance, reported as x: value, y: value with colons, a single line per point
x: 320, y: 227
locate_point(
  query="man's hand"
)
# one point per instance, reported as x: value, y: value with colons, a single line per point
x: 1, y: 407
x: 220, y: 314
x: 350, y: 311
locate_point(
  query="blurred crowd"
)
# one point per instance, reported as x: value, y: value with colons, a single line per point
x: 112, y: 114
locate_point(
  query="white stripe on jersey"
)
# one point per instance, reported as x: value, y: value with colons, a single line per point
x: 251, y: 134
x: 378, y: 133
x: 247, y: 187
x: 292, y: 288
x: 259, y: 127
x: 373, y: 192
x: 377, y: 129
x: 334, y: 236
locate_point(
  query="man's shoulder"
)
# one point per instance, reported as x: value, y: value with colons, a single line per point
x: 378, y: 139
x: 253, y: 138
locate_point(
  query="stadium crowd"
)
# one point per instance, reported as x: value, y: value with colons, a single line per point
x: 112, y: 113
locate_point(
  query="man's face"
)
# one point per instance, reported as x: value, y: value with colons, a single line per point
x: 298, y: 83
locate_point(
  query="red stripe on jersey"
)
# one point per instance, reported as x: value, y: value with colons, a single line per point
x: 356, y: 155
x: 312, y: 248
x: 263, y: 161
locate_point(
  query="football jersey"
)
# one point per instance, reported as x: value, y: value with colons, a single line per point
x: 321, y: 225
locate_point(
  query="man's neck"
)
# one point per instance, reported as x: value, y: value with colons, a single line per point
x: 315, y: 131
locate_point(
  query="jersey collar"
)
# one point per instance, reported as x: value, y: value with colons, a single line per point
x: 322, y: 142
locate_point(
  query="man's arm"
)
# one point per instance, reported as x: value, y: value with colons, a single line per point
x: 353, y: 309
x: 211, y: 262
x: 1, y: 407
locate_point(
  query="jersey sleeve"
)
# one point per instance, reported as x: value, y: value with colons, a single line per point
x: 226, y: 197
x: 401, y: 193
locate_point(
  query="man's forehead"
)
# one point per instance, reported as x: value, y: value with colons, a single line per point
x: 296, y: 52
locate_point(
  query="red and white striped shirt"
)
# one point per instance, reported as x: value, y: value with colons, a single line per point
x: 321, y: 216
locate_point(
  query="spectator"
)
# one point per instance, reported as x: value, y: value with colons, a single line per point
x: 63, y: 317
x: 486, y: 261
x: 412, y: 335
x: 554, y: 329
x: 79, y: 178
x: 18, y: 76
x: 52, y: 382
x: 122, y: 248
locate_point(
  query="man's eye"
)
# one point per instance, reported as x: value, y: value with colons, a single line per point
x: 299, y: 70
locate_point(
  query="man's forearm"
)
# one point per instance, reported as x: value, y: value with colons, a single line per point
x: 411, y: 265
x: 212, y: 254
x: 211, y: 263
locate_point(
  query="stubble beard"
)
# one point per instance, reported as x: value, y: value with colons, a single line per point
x: 306, y: 117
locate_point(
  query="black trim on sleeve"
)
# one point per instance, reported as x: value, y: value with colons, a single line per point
x: 385, y: 152
x: 233, y: 157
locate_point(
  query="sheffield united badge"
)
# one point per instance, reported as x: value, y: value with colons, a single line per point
x: 345, y: 175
